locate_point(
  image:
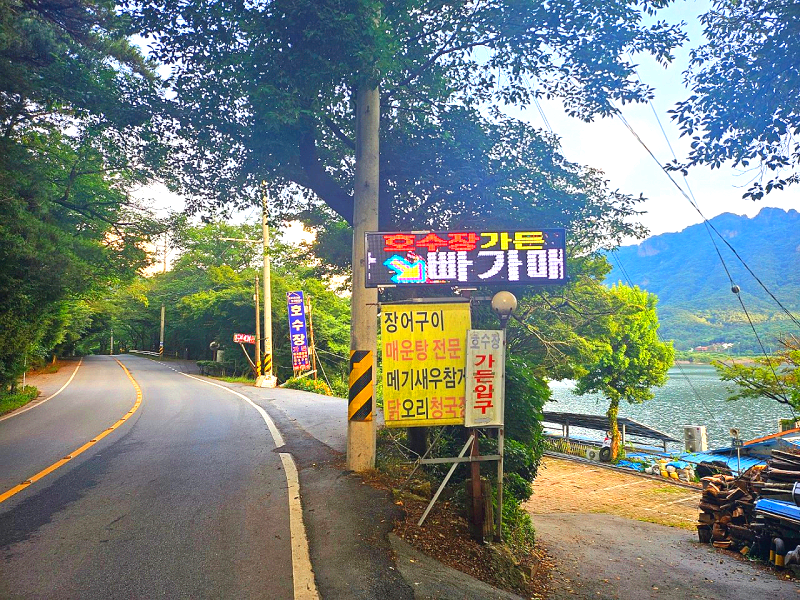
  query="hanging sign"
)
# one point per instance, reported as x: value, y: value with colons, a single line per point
x: 298, y: 335
x: 485, y: 364
x: 534, y: 256
x: 244, y: 338
x: 424, y: 357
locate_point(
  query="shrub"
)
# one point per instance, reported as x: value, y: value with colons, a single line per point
x: 306, y: 384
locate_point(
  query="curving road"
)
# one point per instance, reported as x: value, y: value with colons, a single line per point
x: 186, y: 498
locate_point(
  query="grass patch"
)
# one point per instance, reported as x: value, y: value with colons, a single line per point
x: 9, y: 401
x: 239, y: 379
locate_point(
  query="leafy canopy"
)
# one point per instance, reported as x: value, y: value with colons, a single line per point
x: 744, y: 105
x: 265, y: 90
x: 76, y: 105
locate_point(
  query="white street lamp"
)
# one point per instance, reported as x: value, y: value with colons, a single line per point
x: 504, y: 304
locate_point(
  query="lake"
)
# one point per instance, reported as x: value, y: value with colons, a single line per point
x: 676, y: 405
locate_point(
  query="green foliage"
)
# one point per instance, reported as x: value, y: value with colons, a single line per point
x: 208, y: 295
x: 630, y: 358
x: 76, y: 103
x: 776, y: 377
x: 744, y: 81
x: 696, y: 307
x: 285, y: 111
x: 318, y: 386
x: 518, y: 531
x: 517, y: 487
x: 216, y: 368
x: 12, y: 400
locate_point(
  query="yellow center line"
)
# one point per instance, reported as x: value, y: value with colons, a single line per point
x: 60, y: 463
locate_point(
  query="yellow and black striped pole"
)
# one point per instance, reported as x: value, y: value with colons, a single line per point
x: 267, y: 370
x: 360, y: 404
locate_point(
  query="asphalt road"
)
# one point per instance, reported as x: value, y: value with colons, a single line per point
x: 187, y: 498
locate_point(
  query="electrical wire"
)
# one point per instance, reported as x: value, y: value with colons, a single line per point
x: 734, y: 287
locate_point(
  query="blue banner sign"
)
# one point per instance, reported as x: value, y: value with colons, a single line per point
x: 298, y: 334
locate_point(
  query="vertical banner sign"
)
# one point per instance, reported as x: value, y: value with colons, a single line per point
x: 298, y: 336
x: 424, y: 363
x: 485, y: 363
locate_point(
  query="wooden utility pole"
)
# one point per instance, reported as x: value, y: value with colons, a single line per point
x: 311, y: 348
x: 258, y: 333
x: 363, y: 302
x: 161, y: 337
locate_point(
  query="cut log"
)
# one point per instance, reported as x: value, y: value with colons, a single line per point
x: 706, y: 518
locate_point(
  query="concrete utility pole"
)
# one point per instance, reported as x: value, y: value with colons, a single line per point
x: 269, y: 379
x: 111, y: 351
x: 364, y: 302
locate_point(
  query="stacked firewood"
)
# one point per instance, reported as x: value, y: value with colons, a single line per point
x: 727, y: 509
x: 778, y: 479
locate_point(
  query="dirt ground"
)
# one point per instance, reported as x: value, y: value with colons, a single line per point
x: 566, y: 486
x: 605, y: 534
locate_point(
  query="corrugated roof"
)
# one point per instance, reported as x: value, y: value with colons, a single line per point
x: 600, y: 423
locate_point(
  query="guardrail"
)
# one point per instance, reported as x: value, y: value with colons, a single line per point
x: 143, y: 352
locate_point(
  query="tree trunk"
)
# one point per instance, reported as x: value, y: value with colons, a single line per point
x: 613, y: 411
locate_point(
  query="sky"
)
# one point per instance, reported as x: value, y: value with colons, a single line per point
x: 607, y: 145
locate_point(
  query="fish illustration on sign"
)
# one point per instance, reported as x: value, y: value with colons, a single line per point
x: 405, y: 271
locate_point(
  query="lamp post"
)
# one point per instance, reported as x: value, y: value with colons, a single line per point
x: 503, y: 304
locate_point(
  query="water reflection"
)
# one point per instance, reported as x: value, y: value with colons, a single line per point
x: 694, y: 395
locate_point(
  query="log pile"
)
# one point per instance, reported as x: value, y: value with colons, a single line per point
x: 778, y: 479
x: 727, y: 509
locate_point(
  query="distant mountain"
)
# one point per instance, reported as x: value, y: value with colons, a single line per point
x: 696, y: 305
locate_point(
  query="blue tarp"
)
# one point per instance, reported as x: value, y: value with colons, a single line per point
x: 778, y: 508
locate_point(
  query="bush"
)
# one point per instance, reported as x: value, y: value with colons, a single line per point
x: 12, y: 400
x: 214, y: 368
x: 307, y: 384
x: 517, y: 487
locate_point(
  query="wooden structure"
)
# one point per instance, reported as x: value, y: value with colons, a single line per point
x: 600, y: 423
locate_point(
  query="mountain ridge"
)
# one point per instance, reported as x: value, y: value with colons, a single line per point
x: 696, y: 305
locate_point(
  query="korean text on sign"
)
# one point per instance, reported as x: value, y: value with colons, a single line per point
x: 424, y: 357
x: 298, y: 335
x: 244, y: 338
x: 485, y: 363
x: 533, y: 256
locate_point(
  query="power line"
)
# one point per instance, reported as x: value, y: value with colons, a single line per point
x: 734, y: 287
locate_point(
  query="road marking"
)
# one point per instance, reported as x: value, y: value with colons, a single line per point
x: 679, y: 500
x: 614, y: 487
x: 277, y: 438
x: 61, y: 389
x: 302, y: 573
x: 60, y: 463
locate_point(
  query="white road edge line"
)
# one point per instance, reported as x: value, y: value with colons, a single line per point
x: 61, y: 389
x: 277, y: 438
x: 302, y: 573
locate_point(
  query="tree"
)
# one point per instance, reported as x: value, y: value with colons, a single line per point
x: 629, y: 359
x: 76, y: 105
x: 776, y: 377
x: 266, y: 91
x: 744, y: 104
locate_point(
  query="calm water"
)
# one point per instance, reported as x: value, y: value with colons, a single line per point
x: 676, y: 405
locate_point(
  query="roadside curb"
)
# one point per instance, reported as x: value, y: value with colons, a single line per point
x: 430, y: 579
